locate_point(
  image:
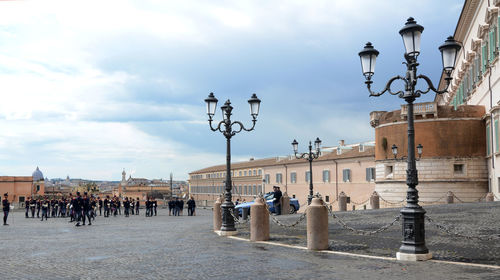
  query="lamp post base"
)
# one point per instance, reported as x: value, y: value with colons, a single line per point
x: 413, y: 257
x: 226, y: 232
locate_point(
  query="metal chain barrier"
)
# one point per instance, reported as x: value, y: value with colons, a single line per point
x: 363, y: 232
x: 458, y: 198
x: 360, y: 203
x: 448, y: 230
x: 391, y: 202
x: 237, y: 219
x: 279, y: 223
x: 436, y: 199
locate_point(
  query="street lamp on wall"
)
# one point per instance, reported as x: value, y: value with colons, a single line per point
x: 226, y: 128
x: 310, y: 156
x: 413, y: 230
x: 394, y: 149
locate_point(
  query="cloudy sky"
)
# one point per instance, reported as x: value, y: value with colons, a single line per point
x: 89, y: 88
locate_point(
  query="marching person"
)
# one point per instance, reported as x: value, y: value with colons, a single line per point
x: 181, y: 207
x: 126, y: 206
x: 137, y: 206
x: 32, y: 207
x: 155, y: 204
x: 100, y: 205
x: 277, y: 200
x: 86, y: 208
x: 191, y: 206
x: 77, y: 207
x: 176, y: 207
x: 107, y: 204
x: 5, y: 208
x: 27, y: 206
x: 38, y: 206
x: 170, y: 206
x: 132, y: 205
x: 45, y: 208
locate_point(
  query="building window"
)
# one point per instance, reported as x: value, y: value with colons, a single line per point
x: 245, y: 191
x: 260, y: 172
x: 370, y: 174
x: 240, y: 189
x: 458, y: 169
x: 488, y: 142
x: 259, y: 188
x: 327, y: 198
x: 255, y: 190
x: 279, y: 178
x: 293, y: 177
x: 240, y: 173
x: 388, y: 171
x: 308, y: 176
x: 37, y: 188
x: 293, y: 196
x: 495, y: 127
x: 326, y: 176
x: 245, y: 173
x: 267, y: 178
x: 254, y: 172
x: 346, y: 175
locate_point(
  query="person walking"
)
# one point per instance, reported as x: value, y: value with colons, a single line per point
x: 126, y: 206
x: 86, y: 208
x: 137, y: 204
x: 77, y: 207
x: 45, y: 208
x: 5, y: 208
x: 155, y: 205
x: 27, y: 207
x: 100, y: 205
x: 277, y: 200
x: 191, y: 206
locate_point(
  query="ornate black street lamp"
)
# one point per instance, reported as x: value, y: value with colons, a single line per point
x: 310, y: 156
x: 226, y: 128
x: 413, y: 247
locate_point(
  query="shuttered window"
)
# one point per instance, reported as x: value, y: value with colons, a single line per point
x: 326, y: 176
x: 370, y: 174
x: 346, y: 175
x: 497, y: 143
x: 488, y: 146
x: 308, y: 176
x: 293, y: 177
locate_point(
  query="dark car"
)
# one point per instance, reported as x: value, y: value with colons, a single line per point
x: 294, y: 204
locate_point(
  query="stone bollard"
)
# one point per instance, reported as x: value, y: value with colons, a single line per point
x: 244, y: 213
x: 342, y: 202
x: 489, y: 197
x: 259, y: 221
x: 317, y: 225
x: 449, y: 197
x: 217, y: 215
x: 375, y: 201
x: 285, y: 204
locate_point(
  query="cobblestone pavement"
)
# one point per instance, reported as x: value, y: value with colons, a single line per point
x: 474, y: 219
x: 185, y: 247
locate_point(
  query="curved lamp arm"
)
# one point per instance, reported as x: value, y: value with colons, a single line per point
x: 218, y: 126
x: 387, y: 86
x: 242, y: 127
x: 430, y: 86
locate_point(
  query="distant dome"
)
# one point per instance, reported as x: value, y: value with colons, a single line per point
x: 37, y: 175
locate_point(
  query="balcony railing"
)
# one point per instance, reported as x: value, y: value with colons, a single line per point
x: 420, y: 109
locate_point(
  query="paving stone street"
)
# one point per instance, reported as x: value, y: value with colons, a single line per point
x: 167, y: 247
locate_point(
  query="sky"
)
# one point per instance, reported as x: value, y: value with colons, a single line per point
x: 91, y: 88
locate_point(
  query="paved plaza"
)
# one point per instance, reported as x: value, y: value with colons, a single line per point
x: 167, y: 247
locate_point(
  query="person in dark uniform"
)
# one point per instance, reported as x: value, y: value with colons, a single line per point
x: 93, y: 207
x: 64, y: 205
x: 148, y: 205
x: 277, y: 200
x: 119, y: 205
x: 71, y: 212
x: 191, y: 206
x: 106, y: 206
x: 137, y: 204
x: 86, y: 208
x: 27, y: 206
x: 177, y: 206
x: 170, y: 206
x: 45, y: 208
x: 155, y: 205
x: 181, y: 206
x: 77, y: 207
x: 5, y: 208
x: 132, y: 205
x: 32, y: 207
x: 126, y: 206
x: 38, y: 206
x: 100, y: 205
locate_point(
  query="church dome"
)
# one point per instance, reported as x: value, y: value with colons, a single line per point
x: 37, y: 175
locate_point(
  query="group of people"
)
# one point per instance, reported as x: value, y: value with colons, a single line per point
x: 83, y: 209
x: 176, y: 207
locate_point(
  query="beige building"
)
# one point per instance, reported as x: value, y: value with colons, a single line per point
x: 19, y: 188
x: 344, y: 168
x: 477, y: 75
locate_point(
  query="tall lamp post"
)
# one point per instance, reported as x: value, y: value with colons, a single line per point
x: 413, y: 230
x: 226, y: 128
x: 310, y: 156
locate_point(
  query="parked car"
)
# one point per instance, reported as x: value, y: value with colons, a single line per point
x: 294, y: 204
